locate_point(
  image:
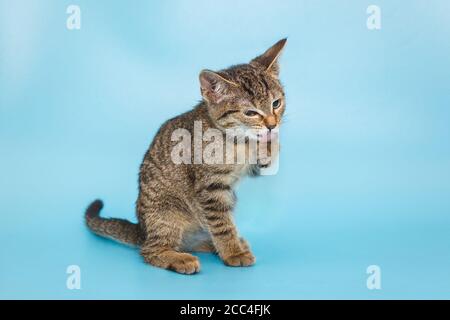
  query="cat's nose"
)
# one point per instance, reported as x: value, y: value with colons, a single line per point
x: 270, y: 122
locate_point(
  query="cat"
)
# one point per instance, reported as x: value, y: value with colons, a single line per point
x: 184, y: 208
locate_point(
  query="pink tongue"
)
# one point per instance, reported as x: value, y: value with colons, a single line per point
x: 266, y: 137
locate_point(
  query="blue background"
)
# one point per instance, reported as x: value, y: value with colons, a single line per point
x: 365, y: 167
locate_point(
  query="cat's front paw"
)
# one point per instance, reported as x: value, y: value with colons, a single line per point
x: 243, y: 259
x: 264, y: 162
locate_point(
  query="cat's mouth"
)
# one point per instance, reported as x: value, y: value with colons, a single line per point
x: 267, y: 136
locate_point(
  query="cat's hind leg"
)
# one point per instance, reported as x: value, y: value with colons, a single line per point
x: 161, y: 247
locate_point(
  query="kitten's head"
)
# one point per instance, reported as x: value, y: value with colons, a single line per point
x: 246, y: 96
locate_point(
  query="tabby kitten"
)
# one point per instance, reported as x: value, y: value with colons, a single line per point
x: 185, y: 208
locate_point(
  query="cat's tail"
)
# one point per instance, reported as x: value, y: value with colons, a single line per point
x: 120, y: 230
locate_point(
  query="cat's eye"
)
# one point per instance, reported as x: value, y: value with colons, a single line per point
x: 276, y: 104
x: 251, y: 113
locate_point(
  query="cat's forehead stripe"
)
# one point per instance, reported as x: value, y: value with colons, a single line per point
x: 253, y: 82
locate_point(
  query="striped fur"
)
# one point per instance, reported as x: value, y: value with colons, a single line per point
x: 183, y: 208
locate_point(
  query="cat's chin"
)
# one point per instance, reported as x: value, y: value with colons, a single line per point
x: 268, y: 136
x: 264, y: 138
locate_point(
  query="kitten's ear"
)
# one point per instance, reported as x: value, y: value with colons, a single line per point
x: 269, y: 59
x: 213, y: 86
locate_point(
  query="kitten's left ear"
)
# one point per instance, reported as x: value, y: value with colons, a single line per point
x: 269, y: 59
x: 214, y: 87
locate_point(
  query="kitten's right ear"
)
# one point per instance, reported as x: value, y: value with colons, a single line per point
x: 269, y: 59
x: 214, y: 87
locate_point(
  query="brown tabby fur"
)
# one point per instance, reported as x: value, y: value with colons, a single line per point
x: 185, y: 208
